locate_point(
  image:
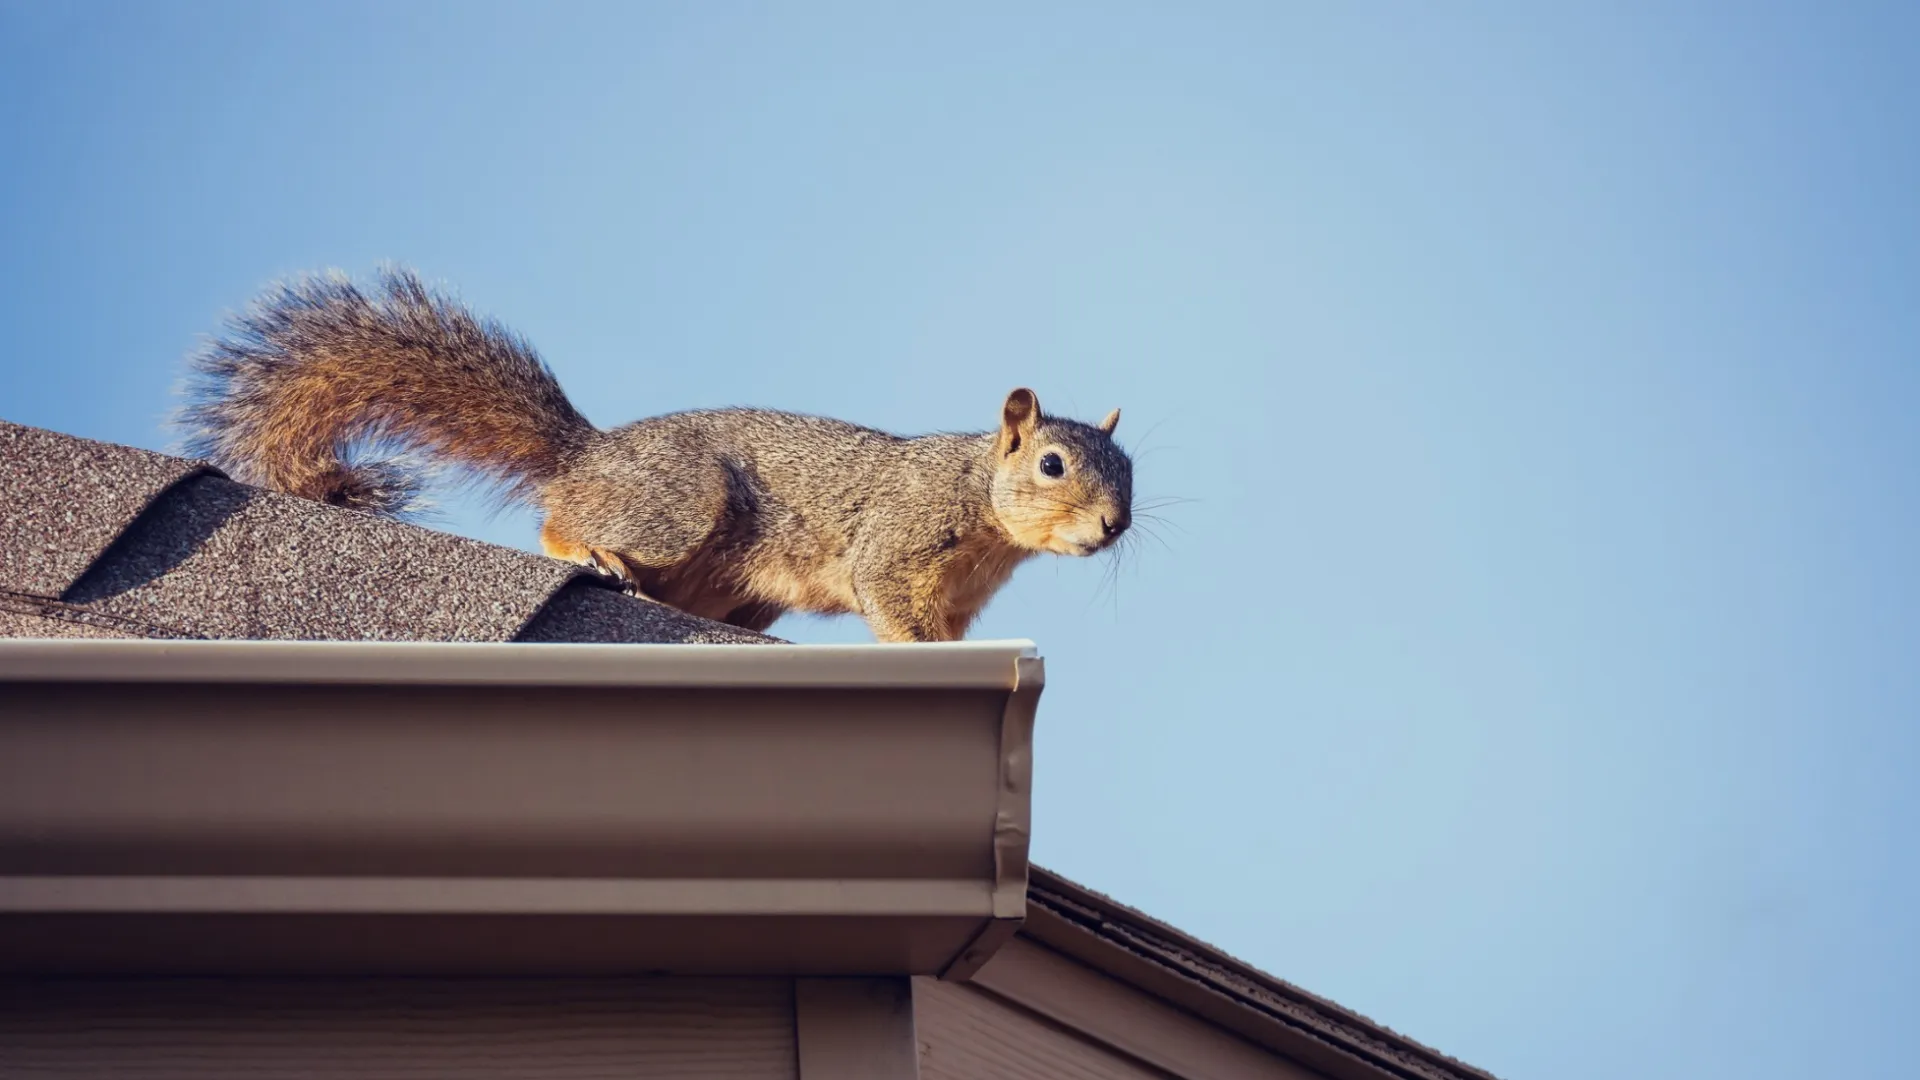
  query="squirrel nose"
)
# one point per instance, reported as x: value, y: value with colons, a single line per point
x: 1111, y: 528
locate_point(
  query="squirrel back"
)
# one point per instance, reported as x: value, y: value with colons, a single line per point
x: 733, y: 514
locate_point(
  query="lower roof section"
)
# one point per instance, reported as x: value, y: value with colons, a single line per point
x: 425, y: 808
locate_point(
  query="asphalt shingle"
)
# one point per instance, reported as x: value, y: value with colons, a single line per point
x: 63, y: 500
x: 124, y: 542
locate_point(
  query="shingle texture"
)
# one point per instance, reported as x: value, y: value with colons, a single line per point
x: 104, y: 540
x: 65, y: 499
x: 1323, y: 1020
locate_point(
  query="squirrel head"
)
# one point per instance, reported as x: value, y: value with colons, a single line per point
x: 1060, y: 485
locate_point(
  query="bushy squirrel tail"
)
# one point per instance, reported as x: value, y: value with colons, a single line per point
x: 318, y: 375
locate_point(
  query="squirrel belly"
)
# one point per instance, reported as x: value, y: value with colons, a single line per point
x: 738, y: 515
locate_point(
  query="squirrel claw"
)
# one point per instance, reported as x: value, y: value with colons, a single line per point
x: 619, y: 574
x: 607, y: 568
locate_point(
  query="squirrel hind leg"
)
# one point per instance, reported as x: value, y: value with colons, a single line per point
x: 756, y: 616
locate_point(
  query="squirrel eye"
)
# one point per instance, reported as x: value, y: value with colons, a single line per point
x: 1051, y: 465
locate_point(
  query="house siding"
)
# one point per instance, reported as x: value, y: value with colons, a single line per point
x: 968, y: 1034
x: 477, y: 1029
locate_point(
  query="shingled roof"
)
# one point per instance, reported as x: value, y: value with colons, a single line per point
x: 101, y: 540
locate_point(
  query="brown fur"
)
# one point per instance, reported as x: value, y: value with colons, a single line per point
x: 734, y: 514
x: 317, y: 365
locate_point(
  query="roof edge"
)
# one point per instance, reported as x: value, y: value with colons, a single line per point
x: 1120, y: 941
x: 986, y: 665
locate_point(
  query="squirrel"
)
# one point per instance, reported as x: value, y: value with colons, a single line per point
x: 735, y: 514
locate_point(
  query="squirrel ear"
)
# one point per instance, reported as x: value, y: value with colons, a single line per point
x: 1112, y: 421
x: 1018, y: 419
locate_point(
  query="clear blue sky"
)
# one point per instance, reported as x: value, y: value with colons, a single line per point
x: 1535, y: 668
